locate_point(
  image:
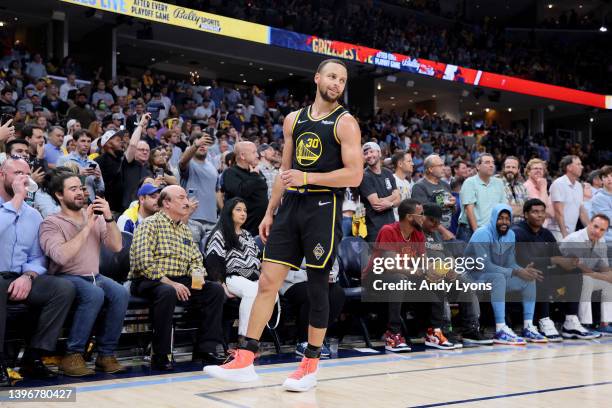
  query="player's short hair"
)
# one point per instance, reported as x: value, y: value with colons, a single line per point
x: 330, y: 61
x: 606, y: 171
x: 407, y: 207
x: 601, y: 216
x: 566, y: 161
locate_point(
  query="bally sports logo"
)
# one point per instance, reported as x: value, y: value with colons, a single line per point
x: 202, y: 22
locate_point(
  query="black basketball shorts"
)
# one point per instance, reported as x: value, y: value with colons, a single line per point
x: 307, y: 225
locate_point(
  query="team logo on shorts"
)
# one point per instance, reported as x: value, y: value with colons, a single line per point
x: 318, y: 251
x: 308, y: 148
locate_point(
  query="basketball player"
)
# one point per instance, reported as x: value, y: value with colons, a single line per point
x: 322, y: 155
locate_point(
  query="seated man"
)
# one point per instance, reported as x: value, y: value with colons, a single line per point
x: 468, y: 302
x: 23, y: 277
x: 72, y: 240
x: 538, y: 245
x: 589, y: 245
x: 148, y: 195
x: 494, y: 246
x: 163, y: 258
x: 404, y: 236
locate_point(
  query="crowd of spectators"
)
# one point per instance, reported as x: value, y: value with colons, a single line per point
x: 483, y: 45
x: 172, y: 161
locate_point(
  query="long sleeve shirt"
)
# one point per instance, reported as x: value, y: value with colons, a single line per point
x: 162, y: 247
x: 19, y: 245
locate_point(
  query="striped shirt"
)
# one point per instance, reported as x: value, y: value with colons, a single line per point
x: 162, y: 247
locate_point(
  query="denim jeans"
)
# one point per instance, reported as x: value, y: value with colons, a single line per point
x: 464, y: 233
x: 347, y: 226
x: 90, y: 297
x: 502, y: 285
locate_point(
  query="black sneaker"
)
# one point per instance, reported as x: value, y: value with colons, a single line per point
x: 453, y: 338
x: 475, y: 338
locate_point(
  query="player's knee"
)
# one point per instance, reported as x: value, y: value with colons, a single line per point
x: 268, y: 285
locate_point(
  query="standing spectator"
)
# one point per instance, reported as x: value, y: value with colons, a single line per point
x: 456, y: 184
x: 516, y: 193
x: 159, y: 167
x: 53, y: 148
x: 72, y: 240
x: 402, y: 163
x: 602, y: 202
x: 589, y: 246
x: 479, y: 194
x: 204, y: 111
x: 567, y: 198
x: 80, y: 111
x: 133, y: 120
x: 232, y: 257
x: 147, y: 194
x: 110, y: 163
x: 431, y: 189
x: 266, y: 166
x: 68, y: 86
x: 102, y: 95
x: 217, y: 93
x: 35, y: 136
x: 7, y: 104
x: 163, y: 258
x: 23, y: 273
x: 200, y: 178
x: 245, y: 181
x: 88, y: 167
x: 36, y: 68
x: 151, y: 135
x: 134, y: 166
x: 536, y: 244
x: 378, y: 190
x: 156, y: 107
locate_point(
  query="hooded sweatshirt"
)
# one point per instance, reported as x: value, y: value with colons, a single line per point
x: 496, y: 252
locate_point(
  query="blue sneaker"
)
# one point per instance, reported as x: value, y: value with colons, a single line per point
x: 506, y: 336
x: 605, y: 330
x: 530, y: 333
x: 300, y: 349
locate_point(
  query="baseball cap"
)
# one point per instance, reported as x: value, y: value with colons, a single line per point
x: 432, y: 210
x: 108, y: 135
x: 370, y: 145
x: 30, y: 86
x: 147, y: 189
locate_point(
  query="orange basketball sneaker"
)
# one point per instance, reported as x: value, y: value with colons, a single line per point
x: 239, y: 369
x: 305, y: 377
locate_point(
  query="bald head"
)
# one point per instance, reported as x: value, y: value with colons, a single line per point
x: 174, y: 202
x: 246, y: 154
x: 11, y: 170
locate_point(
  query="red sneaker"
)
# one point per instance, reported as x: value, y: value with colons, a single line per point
x: 395, y: 342
x: 305, y: 377
x: 239, y: 369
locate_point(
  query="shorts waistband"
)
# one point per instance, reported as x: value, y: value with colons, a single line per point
x: 307, y: 190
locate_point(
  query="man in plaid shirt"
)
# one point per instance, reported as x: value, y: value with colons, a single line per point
x: 163, y: 257
x: 516, y: 193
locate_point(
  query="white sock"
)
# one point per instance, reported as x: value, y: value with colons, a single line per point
x: 568, y: 317
x: 499, y: 326
x: 527, y: 323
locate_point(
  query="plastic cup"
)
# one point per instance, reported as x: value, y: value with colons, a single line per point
x: 197, y: 279
x: 333, y: 346
x: 32, y: 187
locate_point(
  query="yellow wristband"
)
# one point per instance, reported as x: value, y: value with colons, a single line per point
x: 305, y: 178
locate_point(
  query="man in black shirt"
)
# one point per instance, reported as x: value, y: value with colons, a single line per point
x: 379, y: 192
x: 245, y: 181
x: 110, y: 165
x: 537, y: 245
x: 134, y: 164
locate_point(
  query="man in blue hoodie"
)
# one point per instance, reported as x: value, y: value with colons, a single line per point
x: 493, y: 245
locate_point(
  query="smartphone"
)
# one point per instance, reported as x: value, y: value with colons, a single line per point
x: 92, y: 166
x: 5, y: 118
x: 98, y: 195
x: 159, y: 173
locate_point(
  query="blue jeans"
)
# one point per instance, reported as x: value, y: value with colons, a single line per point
x: 89, y: 300
x: 500, y: 285
x: 347, y: 226
x: 464, y: 233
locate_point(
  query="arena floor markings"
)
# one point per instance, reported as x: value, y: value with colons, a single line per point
x: 570, y: 374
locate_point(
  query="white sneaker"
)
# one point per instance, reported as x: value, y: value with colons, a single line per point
x: 548, y: 329
x: 572, y: 329
x: 305, y: 377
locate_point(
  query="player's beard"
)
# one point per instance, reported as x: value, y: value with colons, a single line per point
x: 327, y: 98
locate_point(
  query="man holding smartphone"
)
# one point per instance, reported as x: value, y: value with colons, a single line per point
x: 87, y: 167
